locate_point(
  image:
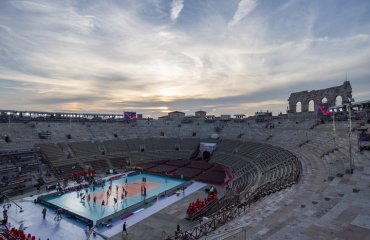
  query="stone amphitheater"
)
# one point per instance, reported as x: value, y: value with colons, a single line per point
x: 289, y: 182
x: 291, y: 177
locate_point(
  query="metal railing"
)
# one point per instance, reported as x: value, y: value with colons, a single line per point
x: 237, y: 207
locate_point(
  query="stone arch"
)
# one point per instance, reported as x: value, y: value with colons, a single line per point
x: 304, y: 107
x: 298, y: 107
x: 344, y: 90
x: 338, y: 100
x: 311, y: 105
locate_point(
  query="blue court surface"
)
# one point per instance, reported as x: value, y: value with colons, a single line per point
x: 72, y: 202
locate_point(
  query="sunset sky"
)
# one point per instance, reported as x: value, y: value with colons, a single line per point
x: 156, y: 56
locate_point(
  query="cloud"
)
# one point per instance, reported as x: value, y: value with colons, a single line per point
x: 176, y: 7
x: 30, y: 6
x: 111, y: 56
x: 245, y: 7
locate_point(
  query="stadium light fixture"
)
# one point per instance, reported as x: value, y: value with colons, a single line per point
x: 349, y: 108
x: 333, y: 110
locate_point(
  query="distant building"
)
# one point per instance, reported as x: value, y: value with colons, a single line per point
x: 200, y: 114
x: 263, y: 116
x: 187, y: 119
x: 165, y: 117
x: 225, y: 117
x: 176, y: 115
x: 239, y: 116
x: 210, y: 118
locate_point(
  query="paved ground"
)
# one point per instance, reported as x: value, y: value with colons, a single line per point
x: 163, y: 223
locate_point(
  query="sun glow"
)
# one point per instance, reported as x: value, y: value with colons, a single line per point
x: 168, y: 92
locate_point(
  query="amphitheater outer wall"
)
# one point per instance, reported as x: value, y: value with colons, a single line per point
x: 304, y: 97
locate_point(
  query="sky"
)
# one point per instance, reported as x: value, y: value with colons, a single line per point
x: 156, y: 56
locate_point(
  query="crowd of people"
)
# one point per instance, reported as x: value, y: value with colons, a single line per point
x: 84, y: 194
x: 196, y: 206
x: 20, y: 234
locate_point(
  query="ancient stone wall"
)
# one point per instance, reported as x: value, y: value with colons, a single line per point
x: 304, y: 97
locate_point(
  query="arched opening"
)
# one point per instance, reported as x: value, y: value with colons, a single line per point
x: 298, y: 107
x: 206, y: 156
x: 311, y: 106
x: 324, y: 100
x: 338, y: 100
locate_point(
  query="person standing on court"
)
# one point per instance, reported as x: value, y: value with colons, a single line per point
x: 124, y: 228
x: 43, y: 213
